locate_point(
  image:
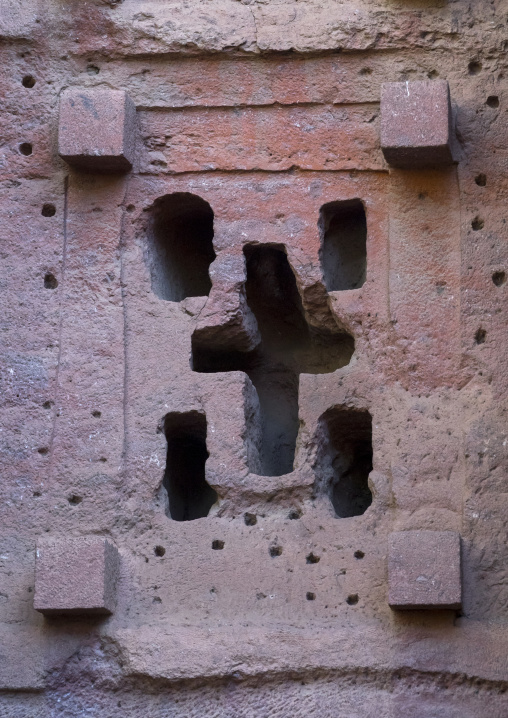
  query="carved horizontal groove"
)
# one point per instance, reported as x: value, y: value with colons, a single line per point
x: 276, y: 104
x: 361, y: 675
x: 289, y: 171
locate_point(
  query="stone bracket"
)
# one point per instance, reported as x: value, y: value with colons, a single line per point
x: 424, y: 570
x: 416, y: 124
x: 97, y: 129
x: 75, y: 576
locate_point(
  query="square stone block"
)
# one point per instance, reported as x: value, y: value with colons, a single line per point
x: 416, y: 121
x: 424, y: 570
x: 97, y: 129
x: 75, y: 576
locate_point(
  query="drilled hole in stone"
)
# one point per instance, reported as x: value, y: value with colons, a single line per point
x: 474, y: 67
x: 217, y: 545
x: 28, y: 81
x: 343, y: 253
x: 288, y: 347
x: 250, y: 519
x: 310, y: 596
x: 74, y: 499
x: 36, y: 494
x: 477, y: 224
x: 93, y: 69
x: 480, y: 336
x: 359, y: 554
x: 312, y: 558
x: 365, y: 71
x: 499, y: 278
x: 43, y: 450
x: 180, y: 248
x: 47, y: 404
x: 294, y: 514
x: 48, y: 210
x: 96, y: 414
x: 275, y: 550
x: 159, y: 551
x: 493, y: 101
x: 25, y: 148
x: 50, y: 281
x: 190, y: 496
x: 352, y: 599
x: 481, y: 179
x: 345, y: 460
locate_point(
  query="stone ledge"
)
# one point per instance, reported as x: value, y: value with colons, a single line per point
x: 437, y: 646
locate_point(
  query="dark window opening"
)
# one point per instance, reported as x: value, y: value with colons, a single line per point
x: 180, y: 247
x: 343, y: 253
x: 288, y: 347
x: 346, y: 460
x: 190, y: 496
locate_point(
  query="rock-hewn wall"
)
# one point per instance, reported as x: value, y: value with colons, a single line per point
x: 335, y: 398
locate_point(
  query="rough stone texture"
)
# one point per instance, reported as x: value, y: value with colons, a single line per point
x: 96, y: 129
x: 75, y: 576
x: 18, y: 21
x: 424, y: 570
x: 416, y: 123
x: 267, y: 111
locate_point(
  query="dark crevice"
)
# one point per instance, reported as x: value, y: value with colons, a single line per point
x: 346, y: 460
x: 190, y: 496
x: 180, y: 246
x: 288, y: 347
x: 343, y: 253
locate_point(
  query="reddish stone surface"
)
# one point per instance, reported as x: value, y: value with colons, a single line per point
x: 75, y: 576
x: 424, y: 570
x: 416, y: 123
x: 264, y: 118
x: 96, y: 129
x: 311, y: 138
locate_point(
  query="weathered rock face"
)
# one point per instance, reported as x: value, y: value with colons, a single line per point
x: 242, y: 372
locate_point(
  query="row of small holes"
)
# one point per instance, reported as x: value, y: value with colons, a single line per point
x: 48, y: 209
x: 499, y: 278
x: 217, y: 544
x: 474, y: 68
x: 276, y: 550
x: 351, y: 600
x: 25, y: 147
